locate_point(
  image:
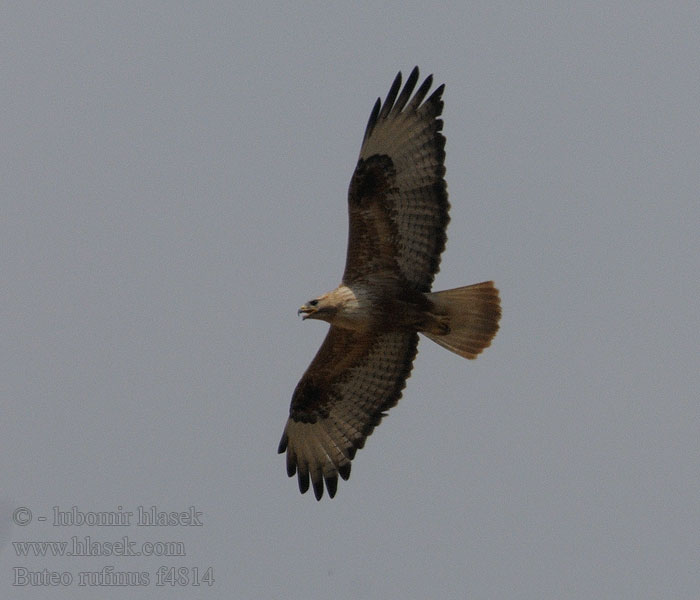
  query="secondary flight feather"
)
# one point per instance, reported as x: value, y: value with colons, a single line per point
x: 398, y: 212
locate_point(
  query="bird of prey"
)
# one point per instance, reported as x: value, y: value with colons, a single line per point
x: 398, y: 211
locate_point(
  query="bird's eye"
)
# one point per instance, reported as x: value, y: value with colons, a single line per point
x: 313, y: 303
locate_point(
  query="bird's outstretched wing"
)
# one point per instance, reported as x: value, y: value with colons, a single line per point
x: 397, y: 199
x: 340, y: 399
x: 398, y: 215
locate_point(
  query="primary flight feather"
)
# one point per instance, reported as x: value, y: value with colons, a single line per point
x: 398, y: 211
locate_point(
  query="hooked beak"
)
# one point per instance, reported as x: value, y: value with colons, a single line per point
x: 307, y: 311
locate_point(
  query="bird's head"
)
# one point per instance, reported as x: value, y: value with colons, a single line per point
x: 323, y: 308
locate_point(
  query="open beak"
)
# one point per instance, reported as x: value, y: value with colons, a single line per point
x: 307, y: 311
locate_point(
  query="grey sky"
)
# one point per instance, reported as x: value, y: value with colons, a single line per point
x: 173, y: 182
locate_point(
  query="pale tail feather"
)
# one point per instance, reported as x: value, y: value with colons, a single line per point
x: 473, y: 312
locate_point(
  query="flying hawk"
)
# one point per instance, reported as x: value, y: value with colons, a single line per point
x: 398, y: 216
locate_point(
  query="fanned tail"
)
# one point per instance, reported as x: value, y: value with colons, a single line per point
x: 472, y: 314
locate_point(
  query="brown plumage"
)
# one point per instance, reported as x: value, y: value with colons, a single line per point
x: 398, y: 212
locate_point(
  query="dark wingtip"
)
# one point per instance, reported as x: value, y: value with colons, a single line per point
x: 331, y: 485
x: 344, y: 471
x: 394, y: 104
x: 283, y: 443
x: 406, y: 92
x: 303, y: 482
x: 422, y: 92
x: 291, y: 466
x: 436, y: 99
x: 318, y: 488
x: 391, y: 96
x: 373, y: 117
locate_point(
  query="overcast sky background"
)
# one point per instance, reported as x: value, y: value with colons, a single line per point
x: 173, y: 187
